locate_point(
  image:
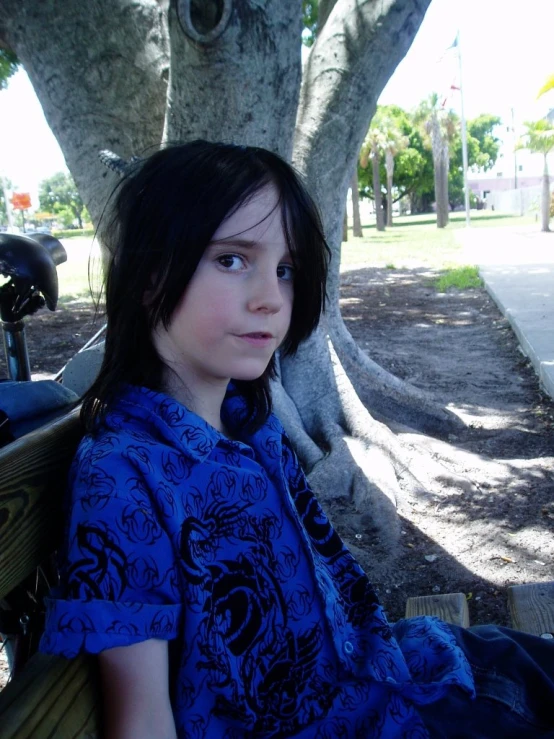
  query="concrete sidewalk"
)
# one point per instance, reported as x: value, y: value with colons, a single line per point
x: 517, y: 266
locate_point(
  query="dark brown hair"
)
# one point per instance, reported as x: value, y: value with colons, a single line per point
x: 161, y: 219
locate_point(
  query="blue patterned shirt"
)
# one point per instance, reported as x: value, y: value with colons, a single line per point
x: 176, y: 532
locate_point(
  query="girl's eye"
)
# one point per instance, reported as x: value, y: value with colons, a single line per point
x: 232, y: 262
x: 285, y: 272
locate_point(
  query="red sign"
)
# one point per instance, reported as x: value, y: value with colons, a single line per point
x: 20, y: 200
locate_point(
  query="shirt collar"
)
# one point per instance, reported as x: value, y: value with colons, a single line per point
x: 175, y: 423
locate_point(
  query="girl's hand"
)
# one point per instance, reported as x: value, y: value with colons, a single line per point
x: 135, y: 689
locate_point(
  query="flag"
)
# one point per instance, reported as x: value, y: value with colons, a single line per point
x: 453, y: 45
x: 449, y: 71
x: 453, y: 88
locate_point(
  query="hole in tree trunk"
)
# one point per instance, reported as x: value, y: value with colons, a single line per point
x: 205, y: 14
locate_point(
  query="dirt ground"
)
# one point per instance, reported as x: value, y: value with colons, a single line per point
x: 478, y: 539
x: 498, y: 529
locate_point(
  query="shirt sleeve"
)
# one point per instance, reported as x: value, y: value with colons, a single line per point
x: 119, y: 575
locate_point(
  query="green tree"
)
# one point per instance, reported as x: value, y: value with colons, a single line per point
x: 58, y: 194
x: 9, y: 64
x: 395, y: 142
x: 6, y: 186
x: 314, y: 16
x: 483, y: 148
x: 539, y: 138
x: 373, y: 149
x: 548, y: 85
x: 438, y: 127
x: 413, y: 166
x: 309, y: 18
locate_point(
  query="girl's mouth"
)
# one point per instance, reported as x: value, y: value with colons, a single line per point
x: 257, y: 338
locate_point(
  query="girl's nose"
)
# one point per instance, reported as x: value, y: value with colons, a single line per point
x: 266, y: 295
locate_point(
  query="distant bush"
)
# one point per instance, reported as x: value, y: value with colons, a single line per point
x: 71, y: 232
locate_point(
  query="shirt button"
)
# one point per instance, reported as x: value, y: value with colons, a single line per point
x: 348, y: 647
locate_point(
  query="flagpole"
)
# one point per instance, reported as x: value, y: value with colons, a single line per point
x: 464, y: 132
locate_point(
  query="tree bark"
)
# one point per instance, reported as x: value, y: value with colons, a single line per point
x: 236, y: 75
x: 226, y: 88
x: 545, y: 198
x: 441, y: 193
x: 440, y: 151
x: 377, y: 197
x: 100, y: 72
x: 389, y: 165
x: 356, y: 219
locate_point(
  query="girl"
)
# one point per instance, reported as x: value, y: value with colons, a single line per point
x: 198, y: 563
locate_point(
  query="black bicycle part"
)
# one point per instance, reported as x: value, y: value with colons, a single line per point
x: 29, y: 263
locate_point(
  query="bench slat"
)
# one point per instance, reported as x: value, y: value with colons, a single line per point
x: 34, y: 472
x: 532, y: 607
x: 451, y: 607
x: 52, y: 697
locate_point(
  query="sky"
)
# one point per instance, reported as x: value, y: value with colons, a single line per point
x: 506, y: 57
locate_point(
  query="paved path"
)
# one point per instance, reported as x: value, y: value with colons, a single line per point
x: 517, y: 266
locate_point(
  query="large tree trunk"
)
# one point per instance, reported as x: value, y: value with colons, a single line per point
x: 220, y: 94
x: 545, y: 198
x: 100, y: 72
x: 356, y: 220
x: 99, y: 69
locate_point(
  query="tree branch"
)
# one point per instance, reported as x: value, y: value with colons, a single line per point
x: 360, y: 45
x: 350, y: 63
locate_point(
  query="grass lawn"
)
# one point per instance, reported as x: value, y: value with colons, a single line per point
x: 415, y: 241
x: 412, y: 241
x: 73, y: 275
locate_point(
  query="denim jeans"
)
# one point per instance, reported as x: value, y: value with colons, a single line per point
x: 29, y: 405
x: 514, y: 680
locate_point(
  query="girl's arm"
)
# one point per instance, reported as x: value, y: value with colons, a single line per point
x: 135, y: 689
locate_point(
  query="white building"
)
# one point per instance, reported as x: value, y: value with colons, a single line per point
x: 513, y: 185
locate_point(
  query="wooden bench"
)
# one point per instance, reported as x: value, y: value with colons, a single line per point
x: 52, y: 697
x: 59, y: 698
x: 531, y: 608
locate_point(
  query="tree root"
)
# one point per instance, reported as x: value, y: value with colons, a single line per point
x: 386, y: 396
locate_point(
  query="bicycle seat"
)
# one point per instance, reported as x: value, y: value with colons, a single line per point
x: 30, y: 266
x: 52, y: 246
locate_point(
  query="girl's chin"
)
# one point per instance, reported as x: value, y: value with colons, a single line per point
x: 250, y: 374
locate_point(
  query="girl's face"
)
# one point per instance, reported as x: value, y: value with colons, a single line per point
x: 236, y: 310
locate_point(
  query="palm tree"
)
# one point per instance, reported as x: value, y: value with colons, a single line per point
x: 539, y: 138
x: 438, y: 127
x: 372, y: 148
x: 548, y: 85
x: 356, y: 220
x: 395, y: 142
